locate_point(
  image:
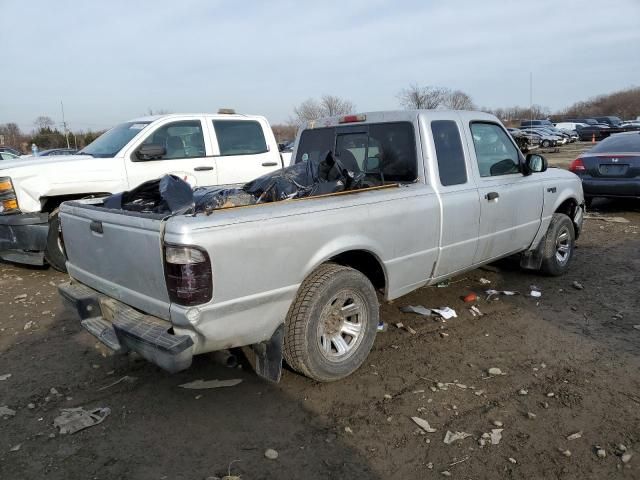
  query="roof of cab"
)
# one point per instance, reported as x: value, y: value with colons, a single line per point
x: 153, y: 118
x: 400, y: 115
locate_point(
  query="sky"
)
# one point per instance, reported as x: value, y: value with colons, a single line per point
x: 112, y: 60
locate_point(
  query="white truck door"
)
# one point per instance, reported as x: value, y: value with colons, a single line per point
x: 188, y: 154
x: 510, y: 203
x: 459, y: 196
x: 243, y: 152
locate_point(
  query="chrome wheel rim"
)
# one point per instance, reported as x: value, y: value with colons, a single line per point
x: 563, y: 246
x: 341, y: 325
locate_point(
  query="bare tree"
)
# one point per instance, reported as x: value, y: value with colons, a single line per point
x: 418, y: 98
x: 458, y: 100
x: 43, y: 122
x: 329, y: 105
x: 332, y: 105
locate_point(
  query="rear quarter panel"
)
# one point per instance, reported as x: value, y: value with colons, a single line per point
x: 260, y: 255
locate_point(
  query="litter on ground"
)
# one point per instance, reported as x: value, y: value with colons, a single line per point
x: 451, y: 437
x: 204, y: 384
x: 446, y: 312
x: 72, y: 420
x: 417, y: 309
x: 423, y: 424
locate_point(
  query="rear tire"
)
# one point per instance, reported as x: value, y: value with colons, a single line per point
x: 54, y: 253
x: 332, y: 324
x: 546, y: 143
x: 559, y: 245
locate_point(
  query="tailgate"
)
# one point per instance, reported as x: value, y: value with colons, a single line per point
x: 117, y: 253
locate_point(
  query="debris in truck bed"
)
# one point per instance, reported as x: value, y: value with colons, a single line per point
x: 172, y: 195
x: 168, y: 194
x: 72, y: 420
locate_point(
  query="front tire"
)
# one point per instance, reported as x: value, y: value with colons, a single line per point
x: 332, y: 324
x: 559, y: 245
x: 54, y: 253
x: 546, y: 143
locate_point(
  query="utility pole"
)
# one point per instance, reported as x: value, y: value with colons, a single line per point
x: 531, y: 95
x: 64, y: 124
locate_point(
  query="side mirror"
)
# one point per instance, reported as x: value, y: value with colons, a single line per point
x: 535, y: 163
x: 150, y: 151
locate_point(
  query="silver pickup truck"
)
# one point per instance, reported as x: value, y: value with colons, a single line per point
x: 302, y: 279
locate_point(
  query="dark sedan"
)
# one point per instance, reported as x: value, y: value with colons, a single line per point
x: 611, y: 168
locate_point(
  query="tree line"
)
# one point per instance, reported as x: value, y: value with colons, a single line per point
x: 624, y: 104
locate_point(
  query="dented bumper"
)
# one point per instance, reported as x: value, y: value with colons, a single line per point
x: 123, y: 328
x: 23, y: 237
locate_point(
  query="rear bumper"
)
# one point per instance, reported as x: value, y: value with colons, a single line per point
x: 122, y: 328
x: 23, y: 237
x: 611, y: 187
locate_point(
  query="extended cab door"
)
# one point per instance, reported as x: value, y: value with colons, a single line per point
x: 510, y: 203
x: 188, y: 153
x: 243, y: 149
x: 458, y: 193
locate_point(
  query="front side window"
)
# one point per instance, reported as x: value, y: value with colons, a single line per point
x: 451, y: 163
x: 240, y: 137
x: 495, y: 152
x: 180, y: 139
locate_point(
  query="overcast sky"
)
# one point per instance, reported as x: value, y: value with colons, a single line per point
x: 109, y: 61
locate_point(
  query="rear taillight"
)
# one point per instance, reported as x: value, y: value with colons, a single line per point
x: 188, y: 275
x: 577, y: 166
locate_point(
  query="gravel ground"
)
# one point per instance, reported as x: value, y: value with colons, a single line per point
x: 570, y: 361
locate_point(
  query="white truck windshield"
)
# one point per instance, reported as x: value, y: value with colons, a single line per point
x: 112, y: 141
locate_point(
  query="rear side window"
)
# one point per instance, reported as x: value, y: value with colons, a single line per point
x: 625, y: 143
x: 385, y: 151
x: 239, y: 137
x: 451, y: 162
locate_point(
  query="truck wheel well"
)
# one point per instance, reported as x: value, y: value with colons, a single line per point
x: 568, y: 207
x: 49, y: 204
x: 366, y: 263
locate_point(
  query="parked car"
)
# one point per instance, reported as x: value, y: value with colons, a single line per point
x: 205, y: 149
x: 593, y: 132
x: 546, y: 140
x: 8, y: 156
x: 522, y: 140
x: 563, y: 138
x: 52, y: 152
x: 533, y: 138
x: 10, y: 150
x: 612, y: 121
x: 409, y: 199
x: 611, y: 168
x: 535, y: 123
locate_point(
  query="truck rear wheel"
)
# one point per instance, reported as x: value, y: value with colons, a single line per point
x: 332, y: 324
x: 559, y: 243
x: 54, y: 253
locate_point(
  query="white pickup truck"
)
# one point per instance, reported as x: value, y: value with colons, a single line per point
x: 204, y: 149
x: 433, y: 194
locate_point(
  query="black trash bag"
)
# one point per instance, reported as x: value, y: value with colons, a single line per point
x: 305, y: 179
x: 208, y: 199
x: 169, y: 194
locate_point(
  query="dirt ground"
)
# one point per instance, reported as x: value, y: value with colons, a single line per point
x: 574, y: 352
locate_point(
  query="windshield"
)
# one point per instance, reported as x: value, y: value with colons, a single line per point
x: 112, y: 141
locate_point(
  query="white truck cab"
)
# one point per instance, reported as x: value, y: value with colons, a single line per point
x: 204, y: 149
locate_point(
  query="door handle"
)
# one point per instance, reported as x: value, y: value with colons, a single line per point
x: 202, y: 169
x: 96, y: 226
x: 492, y: 196
x: 269, y: 164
